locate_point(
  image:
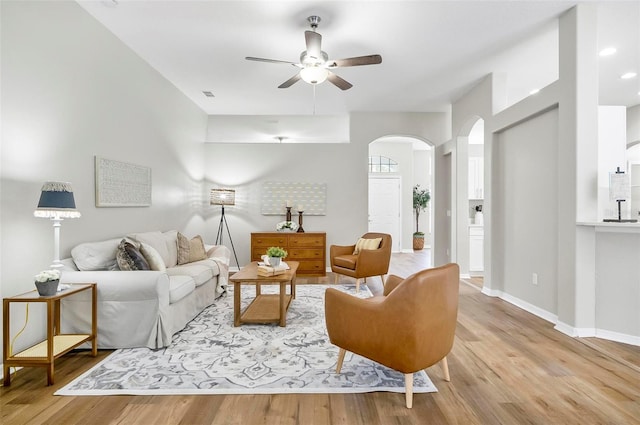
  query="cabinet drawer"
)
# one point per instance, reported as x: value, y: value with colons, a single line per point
x: 257, y: 253
x: 302, y: 253
x: 312, y: 267
x: 269, y: 240
x: 306, y: 241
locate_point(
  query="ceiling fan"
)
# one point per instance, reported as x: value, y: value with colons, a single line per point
x: 315, y: 65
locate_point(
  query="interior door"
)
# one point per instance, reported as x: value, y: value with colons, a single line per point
x: 384, y: 208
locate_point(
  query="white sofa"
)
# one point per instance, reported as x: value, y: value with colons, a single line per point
x: 141, y: 308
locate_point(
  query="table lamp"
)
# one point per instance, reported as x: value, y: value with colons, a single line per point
x: 56, y: 203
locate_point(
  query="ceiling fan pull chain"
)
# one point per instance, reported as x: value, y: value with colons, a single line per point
x: 314, y: 99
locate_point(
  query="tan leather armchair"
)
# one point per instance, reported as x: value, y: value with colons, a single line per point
x: 367, y: 263
x: 409, y: 328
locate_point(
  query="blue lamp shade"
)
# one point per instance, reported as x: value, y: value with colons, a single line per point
x: 56, y: 201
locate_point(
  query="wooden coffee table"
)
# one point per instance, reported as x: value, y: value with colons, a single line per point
x: 265, y: 308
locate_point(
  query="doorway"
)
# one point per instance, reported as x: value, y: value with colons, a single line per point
x: 384, y: 208
x: 408, y: 161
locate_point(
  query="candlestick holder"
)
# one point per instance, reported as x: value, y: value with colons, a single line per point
x: 300, y: 229
x: 288, y: 213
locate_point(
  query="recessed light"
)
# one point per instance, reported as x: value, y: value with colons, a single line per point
x: 628, y: 75
x: 208, y: 94
x: 608, y: 51
x: 534, y: 91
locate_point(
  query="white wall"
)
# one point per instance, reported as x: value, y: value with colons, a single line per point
x: 526, y: 178
x: 612, y: 148
x: 71, y: 90
x: 245, y: 167
x: 633, y: 124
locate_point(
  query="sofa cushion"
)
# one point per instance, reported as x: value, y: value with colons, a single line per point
x: 153, y: 257
x: 164, y: 243
x: 200, y: 272
x: 90, y: 256
x: 129, y: 257
x: 179, y: 287
x: 346, y: 261
x: 366, y: 244
x: 171, y: 239
x: 190, y: 250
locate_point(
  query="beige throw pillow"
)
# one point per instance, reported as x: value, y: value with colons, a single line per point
x: 190, y: 250
x: 153, y: 257
x: 366, y: 244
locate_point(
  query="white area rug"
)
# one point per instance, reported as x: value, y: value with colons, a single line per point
x: 211, y: 356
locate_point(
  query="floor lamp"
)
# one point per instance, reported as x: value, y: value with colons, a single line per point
x: 57, y: 203
x: 224, y: 197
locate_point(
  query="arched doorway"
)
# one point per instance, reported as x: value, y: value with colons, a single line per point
x: 468, y: 232
x: 401, y: 162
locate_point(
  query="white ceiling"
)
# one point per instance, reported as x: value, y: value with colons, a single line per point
x: 432, y: 51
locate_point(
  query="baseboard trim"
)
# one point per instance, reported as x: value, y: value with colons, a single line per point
x: 561, y: 326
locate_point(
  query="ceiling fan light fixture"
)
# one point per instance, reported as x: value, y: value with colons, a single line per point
x: 314, y: 74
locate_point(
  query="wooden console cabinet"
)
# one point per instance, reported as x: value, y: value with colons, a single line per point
x: 308, y: 248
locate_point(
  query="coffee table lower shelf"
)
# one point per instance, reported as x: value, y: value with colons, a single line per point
x: 265, y: 308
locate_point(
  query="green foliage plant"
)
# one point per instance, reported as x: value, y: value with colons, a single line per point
x: 421, y: 198
x: 276, y: 251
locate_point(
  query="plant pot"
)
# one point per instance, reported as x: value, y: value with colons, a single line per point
x: 274, y: 261
x: 418, y: 242
x: 47, y: 288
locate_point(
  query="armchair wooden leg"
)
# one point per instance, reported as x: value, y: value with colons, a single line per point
x: 357, y: 285
x: 445, y: 369
x: 408, y: 389
x: 340, y: 359
x: 335, y: 278
x: 382, y: 278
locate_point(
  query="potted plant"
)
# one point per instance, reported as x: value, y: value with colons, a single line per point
x: 275, y: 254
x: 47, y: 282
x: 421, y: 198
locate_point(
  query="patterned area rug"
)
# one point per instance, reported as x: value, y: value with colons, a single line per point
x: 211, y: 356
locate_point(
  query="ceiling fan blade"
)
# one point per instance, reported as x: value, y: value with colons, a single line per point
x: 357, y: 61
x: 291, y: 81
x: 251, y: 58
x: 339, y: 82
x: 314, y: 44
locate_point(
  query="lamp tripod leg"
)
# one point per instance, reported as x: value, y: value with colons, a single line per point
x: 219, y: 234
x: 233, y: 248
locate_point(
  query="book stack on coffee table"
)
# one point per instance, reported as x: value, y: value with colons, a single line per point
x: 266, y: 271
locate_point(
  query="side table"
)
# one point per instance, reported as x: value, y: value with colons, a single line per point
x: 44, y: 353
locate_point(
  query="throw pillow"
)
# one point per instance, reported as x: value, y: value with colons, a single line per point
x: 366, y: 244
x: 153, y: 257
x: 190, y: 250
x: 129, y: 257
x: 157, y: 240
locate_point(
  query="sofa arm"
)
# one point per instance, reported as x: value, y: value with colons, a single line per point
x: 124, y: 285
x: 222, y: 257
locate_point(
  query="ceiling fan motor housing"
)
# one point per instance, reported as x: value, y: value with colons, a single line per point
x: 310, y: 60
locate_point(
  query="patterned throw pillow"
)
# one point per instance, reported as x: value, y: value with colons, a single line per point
x: 190, y: 250
x: 366, y: 244
x: 129, y: 257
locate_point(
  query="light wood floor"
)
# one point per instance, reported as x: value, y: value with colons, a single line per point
x: 507, y: 367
